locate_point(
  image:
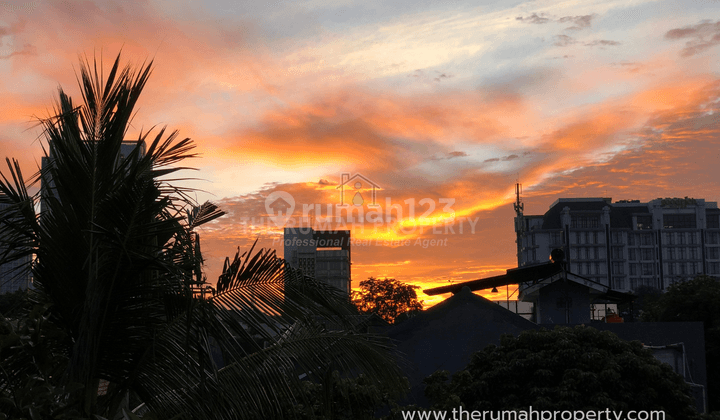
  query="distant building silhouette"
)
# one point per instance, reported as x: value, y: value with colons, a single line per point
x: 324, y: 255
x: 626, y: 244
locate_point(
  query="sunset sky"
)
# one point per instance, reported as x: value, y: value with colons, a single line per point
x: 448, y: 102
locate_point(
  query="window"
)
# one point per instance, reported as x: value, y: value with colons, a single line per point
x: 714, y: 268
x: 647, y: 269
x: 585, y: 221
x: 671, y: 253
x: 596, y: 266
x: 692, y: 238
x: 646, y: 238
x: 669, y: 238
x: 616, y: 237
x: 634, y: 269
x: 618, y: 268
x: 713, y: 221
x: 633, y: 254
x: 713, y: 253
x: 712, y: 237
x: 671, y: 269
x: 632, y: 239
x: 595, y: 238
x: 617, y: 252
x: 679, y: 221
x: 556, y: 238
x: 644, y: 222
x: 619, y: 282
x: 647, y: 254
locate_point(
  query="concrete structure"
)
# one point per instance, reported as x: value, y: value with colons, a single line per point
x: 626, y: 244
x: 14, y: 275
x: 324, y: 255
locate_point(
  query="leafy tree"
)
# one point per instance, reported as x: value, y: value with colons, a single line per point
x: 577, y: 368
x: 120, y: 296
x: 389, y: 298
x: 695, y: 300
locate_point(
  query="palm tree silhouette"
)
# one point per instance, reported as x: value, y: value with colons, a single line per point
x: 119, y: 292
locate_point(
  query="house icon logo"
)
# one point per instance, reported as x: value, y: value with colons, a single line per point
x: 356, y: 190
x: 279, y: 206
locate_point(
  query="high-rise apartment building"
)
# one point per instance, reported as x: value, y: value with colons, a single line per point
x: 324, y: 255
x: 625, y: 244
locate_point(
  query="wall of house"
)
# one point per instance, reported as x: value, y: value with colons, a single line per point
x: 550, y: 307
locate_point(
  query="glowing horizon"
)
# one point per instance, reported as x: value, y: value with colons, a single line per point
x: 429, y: 101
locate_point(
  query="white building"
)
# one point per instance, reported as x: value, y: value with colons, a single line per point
x: 324, y: 255
x: 626, y: 244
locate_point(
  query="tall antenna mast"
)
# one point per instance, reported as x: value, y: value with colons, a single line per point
x: 519, y: 221
x: 519, y: 206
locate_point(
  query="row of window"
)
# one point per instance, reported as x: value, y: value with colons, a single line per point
x: 635, y: 282
x: 642, y: 222
x: 644, y: 254
x: 684, y: 269
x: 588, y: 269
x: 587, y: 253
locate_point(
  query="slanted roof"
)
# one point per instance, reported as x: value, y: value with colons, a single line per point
x: 512, y: 276
x: 446, y: 335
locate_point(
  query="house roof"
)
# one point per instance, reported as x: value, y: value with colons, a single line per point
x: 540, y: 275
x: 446, y: 336
x: 512, y: 276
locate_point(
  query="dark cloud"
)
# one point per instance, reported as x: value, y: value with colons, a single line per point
x: 324, y: 182
x: 579, y: 22
x: 511, y: 157
x: 701, y: 37
x: 563, y: 57
x: 456, y: 154
x: 442, y: 76
x: 535, y: 19
x: 491, y: 160
x: 602, y: 43
x: 563, y: 40
x: 450, y: 155
x: 27, y: 49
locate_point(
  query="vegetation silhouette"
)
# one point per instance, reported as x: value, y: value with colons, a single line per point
x: 578, y: 368
x: 387, y: 297
x: 120, y: 303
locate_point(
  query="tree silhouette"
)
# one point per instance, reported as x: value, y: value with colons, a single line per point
x: 572, y: 369
x: 388, y: 298
x: 119, y: 295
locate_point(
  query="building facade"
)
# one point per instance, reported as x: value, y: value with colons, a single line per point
x: 324, y: 255
x: 626, y: 244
